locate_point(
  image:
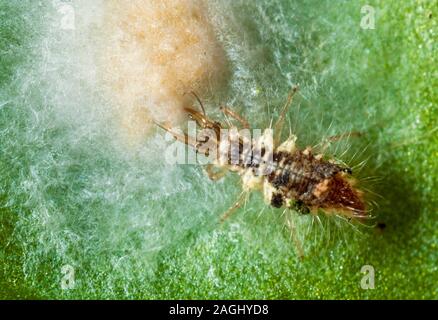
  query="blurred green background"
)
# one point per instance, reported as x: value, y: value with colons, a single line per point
x: 133, y: 228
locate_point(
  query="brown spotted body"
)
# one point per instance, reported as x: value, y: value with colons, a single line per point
x: 293, y: 178
x: 304, y: 181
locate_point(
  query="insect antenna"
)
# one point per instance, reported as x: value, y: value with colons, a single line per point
x: 203, y: 121
x: 184, y: 138
x: 228, y: 112
x: 193, y: 93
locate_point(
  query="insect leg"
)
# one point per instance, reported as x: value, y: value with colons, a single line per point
x: 278, y: 128
x: 236, y: 116
x: 215, y: 175
x: 199, y: 101
x: 203, y: 121
x: 235, y: 206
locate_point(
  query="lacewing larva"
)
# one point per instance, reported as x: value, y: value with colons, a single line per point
x: 288, y: 176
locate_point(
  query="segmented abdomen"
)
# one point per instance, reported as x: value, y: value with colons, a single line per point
x: 297, y: 175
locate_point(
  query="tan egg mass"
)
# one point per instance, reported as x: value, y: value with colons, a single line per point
x: 156, y: 51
